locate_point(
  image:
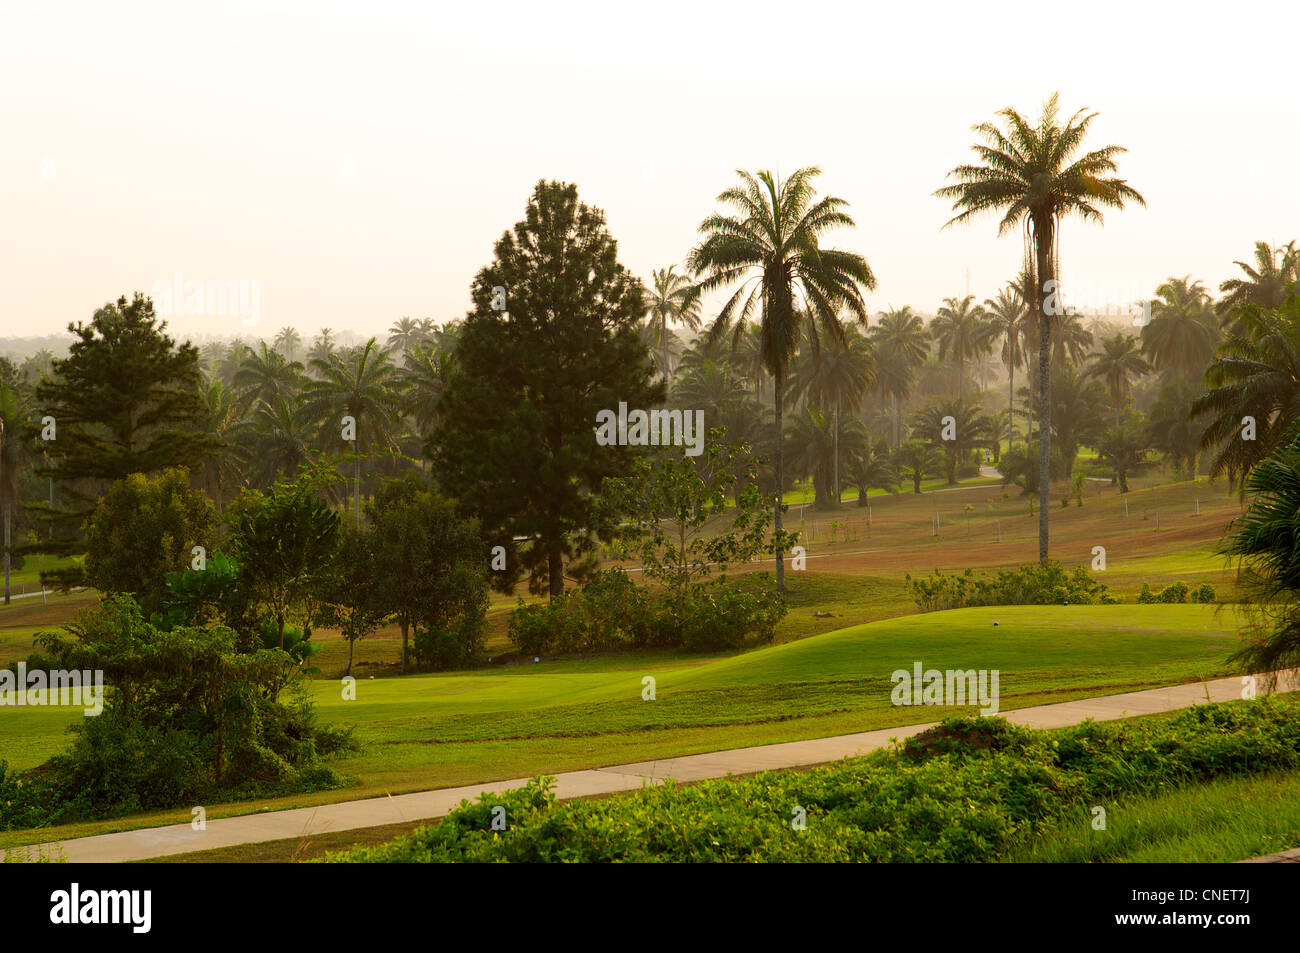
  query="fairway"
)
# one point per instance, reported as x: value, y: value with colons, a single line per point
x: 428, y: 731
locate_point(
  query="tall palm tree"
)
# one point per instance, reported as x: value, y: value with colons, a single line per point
x: 1181, y: 336
x: 1265, y: 284
x: 226, y: 423
x: 359, y: 383
x: 841, y: 378
x: 672, y: 299
x: 1028, y: 173
x: 813, y: 445
x: 772, y: 248
x: 870, y: 469
x: 1119, y: 360
x: 1007, y: 317
x: 287, y: 342
x: 901, y: 343
x: 962, y: 330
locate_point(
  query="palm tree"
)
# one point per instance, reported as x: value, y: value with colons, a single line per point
x: 223, y: 464
x: 1124, y: 447
x: 672, y: 299
x: 773, y: 249
x: 916, y: 460
x: 1070, y: 339
x: 1007, y: 317
x: 870, y: 469
x: 970, y: 429
x: 1265, y: 284
x: 1257, y: 376
x: 404, y: 334
x: 322, y: 347
x: 901, y: 343
x: 265, y: 374
x: 1078, y: 403
x: 813, y: 445
x: 277, y: 440
x: 839, y: 379
x: 962, y: 329
x: 287, y: 342
x: 1181, y: 336
x: 359, y: 383
x: 1028, y: 173
x: 1119, y: 359
x: 423, y: 378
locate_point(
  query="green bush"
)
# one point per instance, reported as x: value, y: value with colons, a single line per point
x: 611, y: 612
x: 1203, y: 593
x: 1173, y: 593
x: 970, y: 789
x: 1031, y: 584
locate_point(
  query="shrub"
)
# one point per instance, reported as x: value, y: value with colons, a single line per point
x: 1203, y: 593
x: 971, y: 790
x: 1030, y: 584
x: 1173, y: 593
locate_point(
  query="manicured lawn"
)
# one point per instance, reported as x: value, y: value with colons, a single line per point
x: 428, y: 731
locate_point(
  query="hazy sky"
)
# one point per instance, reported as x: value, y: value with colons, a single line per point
x: 357, y: 160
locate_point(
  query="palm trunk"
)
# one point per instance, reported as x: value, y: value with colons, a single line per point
x: 555, y: 568
x: 778, y: 388
x: 356, y: 472
x: 837, y: 451
x: 898, y: 420
x: 1043, y: 246
x: 405, y: 627
x: 7, y: 505
x: 352, y: 643
x: 1011, y: 406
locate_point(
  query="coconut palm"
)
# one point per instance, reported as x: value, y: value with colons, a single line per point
x: 1181, y: 336
x: 671, y: 299
x: 962, y: 330
x: 1071, y: 339
x: 1007, y: 318
x: 969, y: 428
x: 287, y: 342
x: 360, y: 384
x: 1116, y: 364
x: 1029, y: 173
x: 1077, y: 413
x: 1124, y: 446
x: 901, y: 344
x: 813, y: 445
x: 772, y: 251
x: 1265, y: 284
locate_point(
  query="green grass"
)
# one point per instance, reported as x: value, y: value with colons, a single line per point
x: 429, y: 731
x: 1216, y: 822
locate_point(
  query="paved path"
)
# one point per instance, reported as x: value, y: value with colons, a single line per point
x: 375, y: 812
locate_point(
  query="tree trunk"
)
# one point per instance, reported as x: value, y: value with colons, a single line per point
x: 555, y: 569
x: 405, y: 627
x: 898, y: 420
x: 356, y: 470
x: 279, y: 622
x: 1045, y: 274
x: 778, y: 388
x: 7, y: 507
x: 836, y: 479
x: 1011, y: 405
x: 352, y: 643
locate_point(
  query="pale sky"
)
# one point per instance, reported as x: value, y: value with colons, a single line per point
x: 354, y: 162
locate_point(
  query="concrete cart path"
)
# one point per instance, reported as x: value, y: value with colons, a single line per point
x: 375, y: 812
